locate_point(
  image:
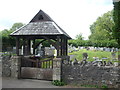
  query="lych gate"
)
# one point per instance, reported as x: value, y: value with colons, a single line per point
x: 44, y: 28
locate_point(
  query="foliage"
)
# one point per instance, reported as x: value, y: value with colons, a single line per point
x: 16, y: 26
x: 116, y: 17
x: 94, y: 86
x: 58, y: 83
x: 45, y: 43
x: 101, y: 33
x: 97, y: 43
x: 104, y: 86
x: 90, y: 86
x: 7, y: 40
x: 79, y: 37
x: 101, y: 29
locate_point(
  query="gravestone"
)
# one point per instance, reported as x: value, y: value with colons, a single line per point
x: 85, y: 56
x: 113, y: 55
x: 75, y: 62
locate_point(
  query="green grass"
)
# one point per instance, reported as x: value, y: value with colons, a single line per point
x: 91, y: 54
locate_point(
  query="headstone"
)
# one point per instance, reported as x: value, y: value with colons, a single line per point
x: 75, y: 62
x: 85, y: 56
x: 113, y: 55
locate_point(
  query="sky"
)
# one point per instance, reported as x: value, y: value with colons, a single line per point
x: 73, y: 16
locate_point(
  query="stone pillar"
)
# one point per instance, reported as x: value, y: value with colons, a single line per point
x: 57, y: 69
x: 15, y: 66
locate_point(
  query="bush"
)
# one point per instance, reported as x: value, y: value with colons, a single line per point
x: 58, y: 83
x: 104, y: 86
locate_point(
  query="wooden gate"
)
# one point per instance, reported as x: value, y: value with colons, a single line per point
x: 34, y: 68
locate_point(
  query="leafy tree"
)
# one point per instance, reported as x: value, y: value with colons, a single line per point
x: 116, y: 30
x: 101, y: 29
x: 16, y: 26
x: 79, y: 37
x: 8, y: 41
x: 116, y: 16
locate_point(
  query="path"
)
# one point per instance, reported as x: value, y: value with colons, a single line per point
x: 26, y: 83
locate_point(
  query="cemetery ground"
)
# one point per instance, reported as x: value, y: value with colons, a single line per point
x: 92, y: 54
x: 78, y: 56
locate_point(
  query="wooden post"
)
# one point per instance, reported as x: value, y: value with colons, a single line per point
x: 37, y: 61
x: 66, y: 47
x: 34, y: 46
x: 17, y: 46
x: 61, y: 46
x: 58, y: 49
x: 24, y: 46
x: 28, y: 47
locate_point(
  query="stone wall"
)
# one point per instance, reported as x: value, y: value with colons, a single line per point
x: 91, y: 75
x: 5, y: 66
x: 10, y: 66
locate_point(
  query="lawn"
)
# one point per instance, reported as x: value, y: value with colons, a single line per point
x: 91, y: 54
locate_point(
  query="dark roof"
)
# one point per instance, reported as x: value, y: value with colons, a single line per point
x: 41, y: 16
x: 41, y: 24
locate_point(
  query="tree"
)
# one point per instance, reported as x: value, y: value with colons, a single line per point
x: 116, y: 29
x: 101, y: 29
x: 16, y: 26
x: 79, y: 37
x: 8, y: 41
x: 102, y: 34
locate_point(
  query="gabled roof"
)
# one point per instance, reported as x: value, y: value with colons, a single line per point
x: 41, y: 24
x: 41, y: 16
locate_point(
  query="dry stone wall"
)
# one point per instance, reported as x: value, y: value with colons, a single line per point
x: 91, y: 75
x: 5, y: 66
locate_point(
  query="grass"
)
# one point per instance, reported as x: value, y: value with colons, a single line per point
x: 103, y: 87
x: 91, y: 54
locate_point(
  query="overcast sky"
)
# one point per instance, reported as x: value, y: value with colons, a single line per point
x: 74, y: 16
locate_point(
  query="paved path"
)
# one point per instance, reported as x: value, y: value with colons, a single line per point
x: 26, y: 83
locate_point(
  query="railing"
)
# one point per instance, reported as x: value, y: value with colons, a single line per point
x: 27, y: 62
x: 47, y: 63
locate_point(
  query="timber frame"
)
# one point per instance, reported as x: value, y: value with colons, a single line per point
x: 41, y: 27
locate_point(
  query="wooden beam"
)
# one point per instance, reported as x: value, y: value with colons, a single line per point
x: 17, y: 46
x: 24, y: 43
x: 53, y: 43
x: 34, y: 46
x: 64, y: 47
x: 58, y: 49
x: 28, y: 47
x: 66, y: 43
x: 39, y: 43
x: 61, y: 46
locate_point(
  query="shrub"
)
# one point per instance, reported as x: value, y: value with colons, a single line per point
x: 58, y: 83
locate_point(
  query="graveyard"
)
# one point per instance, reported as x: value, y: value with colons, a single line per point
x: 93, y: 53
x: 42, y: 50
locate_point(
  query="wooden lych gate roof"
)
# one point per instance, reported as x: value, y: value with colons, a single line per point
x: 40, y: 25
